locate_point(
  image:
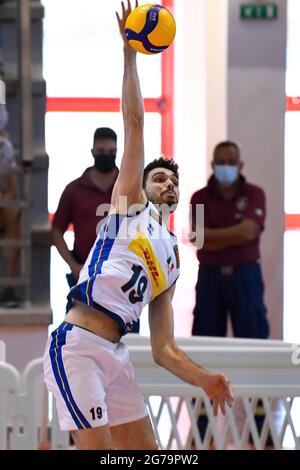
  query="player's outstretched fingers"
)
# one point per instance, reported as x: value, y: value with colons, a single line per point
x: 222, y: 406
x: 215, y: 406
x: 229, y: 398
x: 228, y: 391
x: 123, y: 9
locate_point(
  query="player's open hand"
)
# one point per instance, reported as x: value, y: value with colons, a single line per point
x: 217, y: 387
x: 122, y: 20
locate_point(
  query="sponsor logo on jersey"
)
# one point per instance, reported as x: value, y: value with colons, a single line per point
x: 142, y: 247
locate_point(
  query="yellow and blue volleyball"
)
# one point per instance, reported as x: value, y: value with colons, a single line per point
x: 150, y: 28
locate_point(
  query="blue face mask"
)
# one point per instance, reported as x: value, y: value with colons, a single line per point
x: 226, y: 174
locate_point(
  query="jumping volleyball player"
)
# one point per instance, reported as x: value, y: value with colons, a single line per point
x: 86, y: 366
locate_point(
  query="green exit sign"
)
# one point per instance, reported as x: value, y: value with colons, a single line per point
x: 261, y: 11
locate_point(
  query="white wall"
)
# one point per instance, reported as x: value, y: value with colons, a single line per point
x: 23, y: 344
x: 253, y: 79
x: 230, y: 83
x: 216, y: 71
x: 200, y: 87
x: 256, y: 119
x: 200, y: 122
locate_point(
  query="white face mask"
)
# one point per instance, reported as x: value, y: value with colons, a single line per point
x: 3, y: 117
x: 226, y: 174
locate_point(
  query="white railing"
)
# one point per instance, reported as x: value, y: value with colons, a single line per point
x: 259, y: 370
x: 134, y: 339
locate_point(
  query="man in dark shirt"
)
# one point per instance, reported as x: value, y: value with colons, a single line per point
x: 80, y: 200
x: 80, y: 204
x: 230, y: 279
x: 9, y: 215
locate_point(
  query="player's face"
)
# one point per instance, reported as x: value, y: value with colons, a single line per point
x: 162, y: 187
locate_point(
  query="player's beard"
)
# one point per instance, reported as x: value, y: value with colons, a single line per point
x: 160, y: 200
x: 170, y: 202
x: 173, y: 206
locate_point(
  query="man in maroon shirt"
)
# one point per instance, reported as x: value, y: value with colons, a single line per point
x: 230, y: 280
x: 79, y: 203
x: 81, y: 198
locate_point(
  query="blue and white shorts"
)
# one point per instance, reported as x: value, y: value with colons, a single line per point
x: 92, y: 380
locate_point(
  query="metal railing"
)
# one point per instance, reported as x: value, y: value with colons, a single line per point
x: 263, y: 371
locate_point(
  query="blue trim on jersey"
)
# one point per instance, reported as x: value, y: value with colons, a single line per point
x: 86, y: 297
x: 101, y: 253
x: 58, y: 341
x: 100, y: 243
x: 104, y: 245
x: 83, y: 291
x: 78, y: 293
x: 112, y: 315
x: 174, y: 282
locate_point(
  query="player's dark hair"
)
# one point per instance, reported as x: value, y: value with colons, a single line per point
x: 160, y: 163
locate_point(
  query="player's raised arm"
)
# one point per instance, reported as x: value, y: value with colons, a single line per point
x: 129, y: 182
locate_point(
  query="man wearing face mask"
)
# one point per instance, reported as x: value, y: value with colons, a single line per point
x: 230, y: 280
x: 79, y: 203
x: 80, y: 200
x: 9, y: 216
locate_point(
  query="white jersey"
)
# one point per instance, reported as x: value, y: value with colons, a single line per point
x: 134, y: 259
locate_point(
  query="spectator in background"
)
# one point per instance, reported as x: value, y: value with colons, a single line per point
x: 80, y: 200
x: 230, y: 279
x: 9, y: 216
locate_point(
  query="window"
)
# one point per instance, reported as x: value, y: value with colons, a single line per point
x: 292, y: 169
x: 84, y: 80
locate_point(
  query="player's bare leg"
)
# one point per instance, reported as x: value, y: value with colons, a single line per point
x: 136, y: 435
x: 93, y: 439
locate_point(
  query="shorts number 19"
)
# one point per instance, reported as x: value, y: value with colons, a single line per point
x: 96, y: 413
